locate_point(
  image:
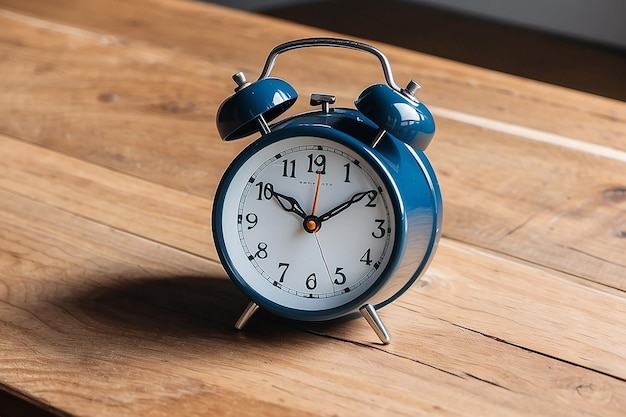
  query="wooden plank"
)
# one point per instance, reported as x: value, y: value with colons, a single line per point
x: 464, y: 323
x: 544, y: 205
x: 547, y: 204
x: 574, y: 222
x: 170, y: 218
x: 106, y: 317
x: 66, y: 337
x: 100, y: 322
x: 244, y: 40
x: 146, y: 116
x: 125, y: 202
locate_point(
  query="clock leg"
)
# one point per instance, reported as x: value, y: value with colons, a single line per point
x: 371, y: 316
x: 249, y: 311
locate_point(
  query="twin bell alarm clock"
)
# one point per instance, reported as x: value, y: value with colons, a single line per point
x: 331, y: 212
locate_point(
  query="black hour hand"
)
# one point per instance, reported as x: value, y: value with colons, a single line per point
x: 371, y: 194
x: 289, y: 204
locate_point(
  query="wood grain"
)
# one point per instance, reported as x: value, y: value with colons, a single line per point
x: 145, y: 115
x: 133, y: 110
x: 182, y: 220
x: 111, y: 299
x: 547, y: 204
x: 192, y: 27
x: 165, y: 216
x: 165, y: 318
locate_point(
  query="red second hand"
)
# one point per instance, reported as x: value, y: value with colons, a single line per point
x: 311, y: 225
x: 317, y: 192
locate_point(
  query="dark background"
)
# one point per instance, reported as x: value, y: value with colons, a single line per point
x: 585, y: 66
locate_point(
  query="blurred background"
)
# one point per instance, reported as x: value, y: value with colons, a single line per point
x: 579, y: 44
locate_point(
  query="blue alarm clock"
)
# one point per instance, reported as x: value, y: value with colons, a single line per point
x: 330, y: 212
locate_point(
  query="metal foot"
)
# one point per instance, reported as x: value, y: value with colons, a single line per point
x: 369, y: 313
x: 249, y: 311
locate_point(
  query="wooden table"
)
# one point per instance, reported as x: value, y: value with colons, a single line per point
x: 112, y: 302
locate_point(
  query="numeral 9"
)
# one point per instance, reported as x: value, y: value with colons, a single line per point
x: 252, y: 219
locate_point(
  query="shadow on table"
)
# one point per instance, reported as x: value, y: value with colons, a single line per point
x: 143, y: 325
x: 180, y: 307
x: 175, y: 306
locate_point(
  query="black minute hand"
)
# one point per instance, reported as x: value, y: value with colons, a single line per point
x: 341, y: 207
x: 289, y: 204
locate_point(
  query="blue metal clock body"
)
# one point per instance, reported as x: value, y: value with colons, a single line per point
x: 376, y: 213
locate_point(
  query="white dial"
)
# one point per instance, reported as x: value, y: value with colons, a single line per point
x: 307, y: 223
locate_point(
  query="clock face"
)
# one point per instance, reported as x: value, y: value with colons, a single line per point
x: 307, y: 224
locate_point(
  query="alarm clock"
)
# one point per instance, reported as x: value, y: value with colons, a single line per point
x: 332, y: 212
